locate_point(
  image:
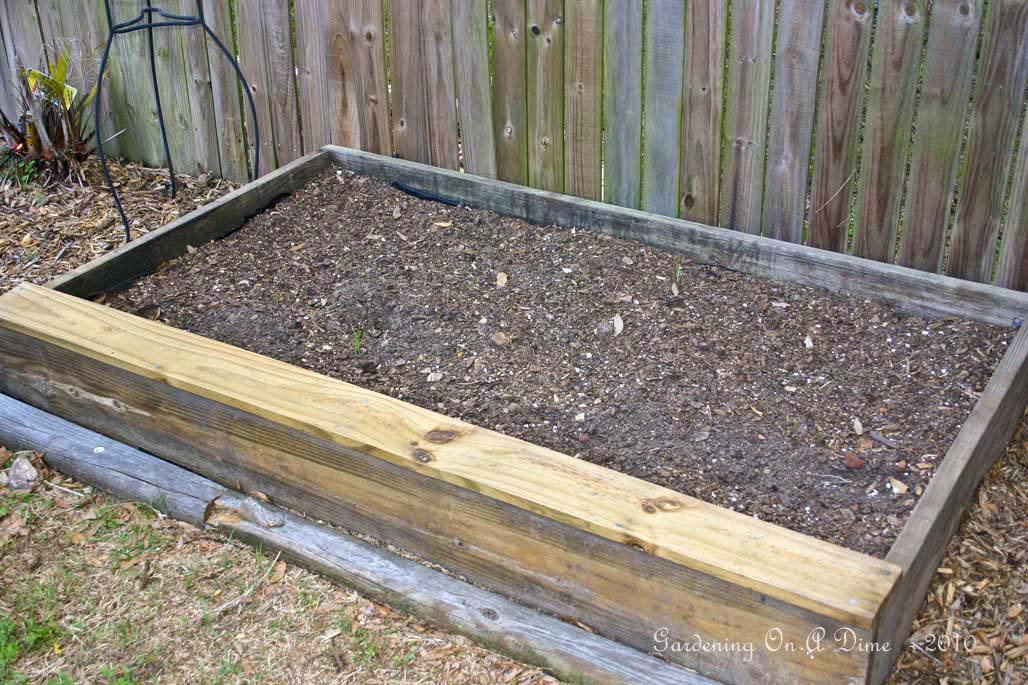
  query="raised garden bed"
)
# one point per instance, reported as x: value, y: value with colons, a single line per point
x: 624, y: 556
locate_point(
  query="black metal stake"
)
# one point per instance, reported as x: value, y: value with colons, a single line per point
x: 146, y: 21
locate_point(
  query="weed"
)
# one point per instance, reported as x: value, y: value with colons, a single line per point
x: 18, y: 638
x: 358, y: 337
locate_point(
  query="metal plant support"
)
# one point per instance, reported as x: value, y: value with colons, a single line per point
x: 151, y: 18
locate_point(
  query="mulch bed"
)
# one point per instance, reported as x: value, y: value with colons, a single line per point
x: 823, y: 413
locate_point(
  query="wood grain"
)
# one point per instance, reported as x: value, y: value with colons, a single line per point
x: 945, y: 89
x: 1013, y: 264
x: 847, y: 39
x: 995, y: 116
x: 232, y: 119
x: 700, y: 171
x: 214, y: 220
x: 583, y: 98
x: 925, y: 293
x: 510, y: 90
x: 423, y: 96
x: 887, y: 131
x: 622, y: 102
x: 664, y: 61
x: 357, y: 89
x: 495, y: 622
x: 981, y: 441
x: 312, y: 40
x: 791, y: 127
x: 471, y: 71
x: 516, y: 547
x: 278, y: 50
x: 254, y: 64
x: 545, y: 90
x: 748, y: 84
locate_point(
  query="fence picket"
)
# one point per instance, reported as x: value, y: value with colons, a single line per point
x: 622, y: 102
x: 664, y: 55
x: 545, y: 68
x: 357, y: 89
x: 748, y: 84
x: 471, y: 67
x: 838, y: 127
x: 700, y: 171
x: 254, y: 63
x: 24, y: 42
x: 792, y: 119
x: 993, y: 126
x: 890, y: 111
x: 946, y: 86
x: 1013, y: 265
x: 510, y: 90
x: 583, y: 98
x: 312, y: 71
x: 225, y: 91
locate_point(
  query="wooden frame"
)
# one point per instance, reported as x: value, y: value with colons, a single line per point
x: 625, y: 557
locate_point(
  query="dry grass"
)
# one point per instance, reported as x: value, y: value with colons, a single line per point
x: 101, y: 591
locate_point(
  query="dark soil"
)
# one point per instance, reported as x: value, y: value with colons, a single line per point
x: 824, y: 413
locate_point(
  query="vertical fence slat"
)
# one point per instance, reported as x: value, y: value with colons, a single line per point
x: 254, y: 63
x: 1013, y: 265
x: 358, y: 94
x: 24, y: 41
x: 424, y: 113
x: 510, y: 90
x: 700, y: 170
x: 312, y: 71
x: 583, y: 97
x: 545, y: 68
x: 993, y: 126
x: 225, y: 90
x: 890, y: 111
x: 749, y: 77
x: 946, y: 86
x: 622, y: 102
x: 8, y: 95
x: 792, y: 119
x: 838, y: 129
x: 285, y: 117
x: 664, y: 55
x: 471, y: 67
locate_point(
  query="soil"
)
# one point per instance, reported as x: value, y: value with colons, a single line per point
x: 824, y: 413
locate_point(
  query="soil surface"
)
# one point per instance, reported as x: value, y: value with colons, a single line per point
x: 823, y: 413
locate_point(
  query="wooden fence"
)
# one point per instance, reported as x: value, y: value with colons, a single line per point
x: 890, y: 129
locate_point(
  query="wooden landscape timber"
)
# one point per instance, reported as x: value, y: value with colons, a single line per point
x: 569, y: 652
x: 619, y: 555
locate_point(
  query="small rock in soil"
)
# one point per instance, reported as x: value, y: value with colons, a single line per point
x: 22, y: 475
x: 852, y: 460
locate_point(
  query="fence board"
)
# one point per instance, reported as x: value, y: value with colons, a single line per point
x: 8, y: 94
x: 285, y: 118
x: 1013, y: 265
x: 358, y: 95
x: 424, y: 114
x: 890, y: 112
x: 791, y: 127
x: 838, y: 129
x: 700, y: 169
x: 312, y: 72
x: 583, y: 99
x: 664, y: 55
x: 24, y: 42
x: 225, y: 91
x: 471, y: 68
x: 545, y: 68
x: 510, y: 90
x: 993, y: 126
x: 254, y: 63
x: 622, y: 102
x: 946, y: 87
x: 748, y: 84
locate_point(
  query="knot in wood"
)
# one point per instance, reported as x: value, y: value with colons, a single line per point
x: 441, y: 436
x: 659, y: 504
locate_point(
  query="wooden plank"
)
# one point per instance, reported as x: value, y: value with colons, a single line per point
x: 791, y: 127
x: 1013, y: 265
x: 423, y: 95
x: 510, y: 90
x: 312, y: 41
x: 920, y: 545
x: 253, y: 60
x: 748, y: 84
x: 992, y: 132
x: 545, y: 91
x: 847, y: 39
x: 24, y: 41
x: 464, y: 497
x: 219, y: 218
x: 470, y: 23
x: 946, y: 87
x: 705, y: 29
x: 278, y: 49
x: 8, y: 94
x: 583, y: 98
x: 664, y: 55
x: 929, y: 294
x: 229, y: 119
x: 890, y: 111
x: 357, y: 89
x: 622, y: 102
x: 571, y: 653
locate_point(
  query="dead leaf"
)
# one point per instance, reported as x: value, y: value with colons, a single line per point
x: 852, y: 460
x: 619, y: 325
x: 501, y: 279
x: 674, y: 288
x: 278, y: 574
x: 858, y: 427
x: 442, y: 224
x: 898, y: 486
